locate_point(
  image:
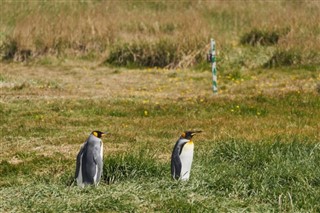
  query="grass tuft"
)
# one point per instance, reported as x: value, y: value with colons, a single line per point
x: 8, y: 49
x: 163, y: 53
x: 284, y: 58
x: 130, y: 166
x: 267, y: 171
x: 259, y: 37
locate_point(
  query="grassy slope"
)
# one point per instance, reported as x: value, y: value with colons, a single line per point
x: 259, y: 150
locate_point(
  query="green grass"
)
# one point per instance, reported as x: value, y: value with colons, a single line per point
x: 227, y: 176
x: 274, y: 170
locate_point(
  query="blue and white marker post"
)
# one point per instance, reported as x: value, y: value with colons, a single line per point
x: 214, y: 65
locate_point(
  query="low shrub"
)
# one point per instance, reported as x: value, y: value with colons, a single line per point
x: 284, y: 58
x: 141, y: 54
x: 163, y: 53
x: 8, y: 49
x: 259, y: 37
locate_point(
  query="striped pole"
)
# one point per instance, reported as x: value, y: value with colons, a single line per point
x: 214, y: 68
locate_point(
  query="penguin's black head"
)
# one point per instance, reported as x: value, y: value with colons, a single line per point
x: 98, y: 134
x: 189, y: 134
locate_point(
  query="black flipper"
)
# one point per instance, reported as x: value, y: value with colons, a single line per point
x: 175, y: 167
x: 176, y: 162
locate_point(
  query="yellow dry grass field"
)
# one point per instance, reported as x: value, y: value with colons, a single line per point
x: 152, y: 87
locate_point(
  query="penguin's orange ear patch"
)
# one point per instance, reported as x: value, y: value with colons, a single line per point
x: 95, y: 134
x: 183, y: 135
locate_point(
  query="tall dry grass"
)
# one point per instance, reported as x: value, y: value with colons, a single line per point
x: 72, y: 28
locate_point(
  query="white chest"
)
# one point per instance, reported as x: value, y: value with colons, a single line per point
x: 186, y: 158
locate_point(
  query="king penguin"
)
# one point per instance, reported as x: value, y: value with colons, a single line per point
x: 182, y: 156
x: 89, y: 160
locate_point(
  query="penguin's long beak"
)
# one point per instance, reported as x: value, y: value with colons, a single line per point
x: 195, y: 132
x: 104, y: 133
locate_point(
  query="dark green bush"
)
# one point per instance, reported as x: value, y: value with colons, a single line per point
x: 143, y: 54
x: 259, y: 37
x: 284, y: 58
x: 163, y: 53
x: 8, y: 49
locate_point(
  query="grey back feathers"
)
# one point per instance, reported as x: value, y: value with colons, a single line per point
x: 90, y: 162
